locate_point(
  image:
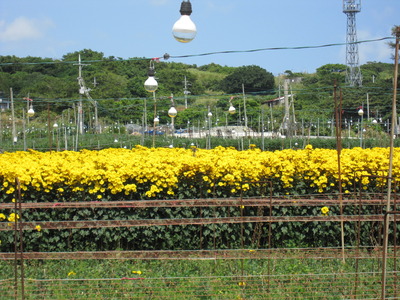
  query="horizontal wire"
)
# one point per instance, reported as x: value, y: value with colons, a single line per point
x: 167, y: 56
x: 201, y: 278
x: 283, y: 48
x: 305, y: 91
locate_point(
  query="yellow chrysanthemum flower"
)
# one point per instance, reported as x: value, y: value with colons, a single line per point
x: 137, y: 272
x: 13, y: 217
x: 325, y: 210
x: 159, y: 172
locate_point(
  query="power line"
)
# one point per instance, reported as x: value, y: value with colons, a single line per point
x: 282, y: 48
x: 167, y: 56
x: 263, y: 93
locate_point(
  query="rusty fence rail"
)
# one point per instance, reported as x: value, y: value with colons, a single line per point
x: 350, y: 284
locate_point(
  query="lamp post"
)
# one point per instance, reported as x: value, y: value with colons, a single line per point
x: 190, y: 132
x: 172, y: 112
x: 361, y: 114
x: 231, y: 111
x: 55, y: 127
x: 24, y: 128
x: 151, y: 86
x: 209, y: 115
x: 29, y: 112
x: 156, y: 120
x: 14, y: 130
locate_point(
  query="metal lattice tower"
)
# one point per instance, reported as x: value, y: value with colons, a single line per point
x: 353, y: 76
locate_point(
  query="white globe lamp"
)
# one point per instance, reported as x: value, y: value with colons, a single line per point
x: 184, y: 30
x: 151, y: 84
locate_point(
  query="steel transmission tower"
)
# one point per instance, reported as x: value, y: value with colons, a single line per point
x: 353, y: 76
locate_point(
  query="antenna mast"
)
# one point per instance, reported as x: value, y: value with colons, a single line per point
x: 353, y: 76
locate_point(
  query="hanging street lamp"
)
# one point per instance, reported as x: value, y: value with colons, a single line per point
x: 151, y: 84
x: 361, y: 114
x: 231, y: 109
x: 184, y: 30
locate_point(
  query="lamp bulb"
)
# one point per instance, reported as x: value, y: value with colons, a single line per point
x: 151, y: 84
x: 31, y: 112
x: 184, y: 30
x: 172, y: 112
x: 232, y: 110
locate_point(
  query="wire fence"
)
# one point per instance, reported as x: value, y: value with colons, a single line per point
x: 253, y: 267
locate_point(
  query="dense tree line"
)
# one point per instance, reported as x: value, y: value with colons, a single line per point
x: 117, y: 82
x: 118, y: 85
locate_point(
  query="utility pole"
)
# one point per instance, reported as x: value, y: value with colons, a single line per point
x: 391, y: 155
x: 285, y: 126
x: 14, y: 131
x: 293, y: 120
x: 83, y: 90
x: 244, y: 108
x: 186, y: 92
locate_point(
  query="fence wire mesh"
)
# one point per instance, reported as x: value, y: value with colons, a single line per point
x: 237, y: 255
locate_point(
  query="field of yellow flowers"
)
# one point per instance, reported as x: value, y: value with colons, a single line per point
x: 176, y: 173
x: 150, y: 173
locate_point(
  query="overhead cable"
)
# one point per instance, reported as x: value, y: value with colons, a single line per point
x: 166, y: 56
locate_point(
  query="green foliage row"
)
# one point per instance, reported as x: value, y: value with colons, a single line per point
x: 290, y: 234
x: 116, y: 140
x: 225, y: 235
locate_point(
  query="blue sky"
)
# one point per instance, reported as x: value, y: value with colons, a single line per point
x: 142, y: 28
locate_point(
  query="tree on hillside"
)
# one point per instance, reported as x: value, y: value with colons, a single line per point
x: 213, y: 67
x: 289, y: 74
x: 254, y: 78
x: 86, y: 54
x: 329, y: 73
x: 172, y: 81
x: 376, y: 72
x: 395, y: 29
x: 186, y: 118
x: 314, y: 100
x: 87, y: 57
x: 109, y: 85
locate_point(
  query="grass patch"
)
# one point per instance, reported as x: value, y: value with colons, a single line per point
x: 302, y: 278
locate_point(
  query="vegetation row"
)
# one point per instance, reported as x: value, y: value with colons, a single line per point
x: 144, y: 174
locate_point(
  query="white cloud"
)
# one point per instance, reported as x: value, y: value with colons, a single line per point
x: 373, y: 51
x: 23, y: 28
